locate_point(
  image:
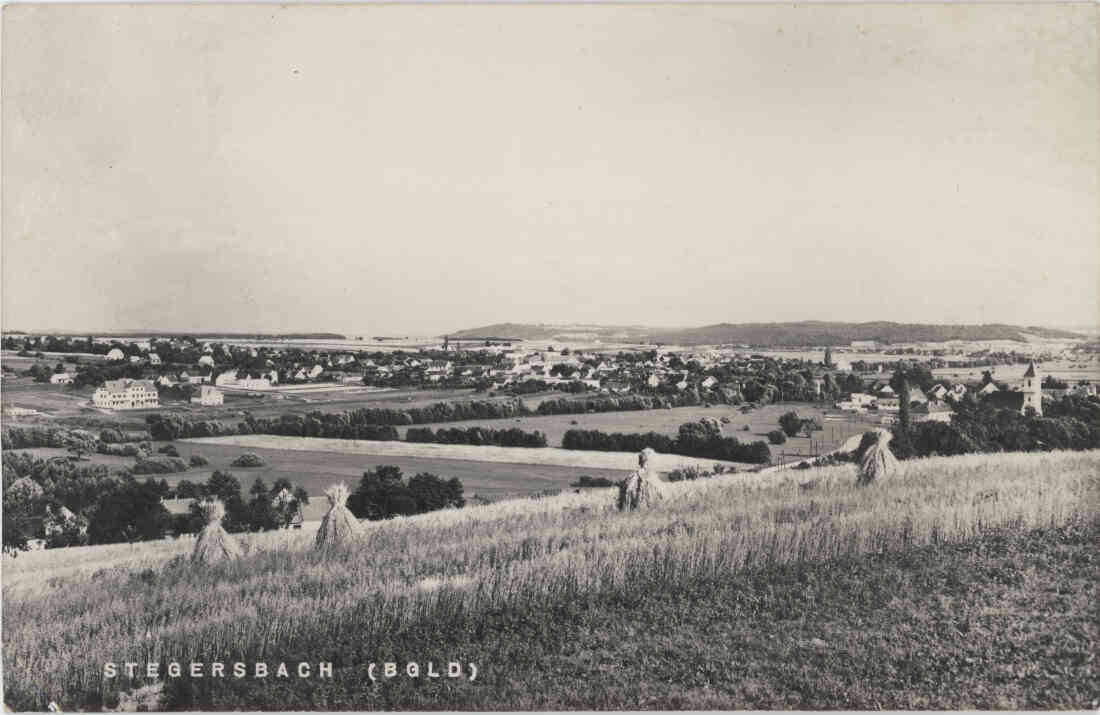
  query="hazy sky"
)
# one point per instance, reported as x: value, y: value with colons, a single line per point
x: 418, y: 169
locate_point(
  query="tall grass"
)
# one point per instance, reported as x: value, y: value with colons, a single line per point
x: 63, y: 621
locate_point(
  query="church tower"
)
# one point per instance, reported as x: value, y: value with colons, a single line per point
x: 1033, y: 390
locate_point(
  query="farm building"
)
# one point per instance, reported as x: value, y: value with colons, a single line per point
x: 932, y: 411
x: 61, y: 378
x: 209, y: 396
x: 126, y: 395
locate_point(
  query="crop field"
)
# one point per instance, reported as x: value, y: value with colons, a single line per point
x: 1064, y: 370
x: 760, y: 422
x: 322, y: 465
x: 526, y: 456
x: 54, y: 400
x: 268, y: 404
x: 800, y: 580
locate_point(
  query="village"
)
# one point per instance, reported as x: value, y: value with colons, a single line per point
x: 153, y: 373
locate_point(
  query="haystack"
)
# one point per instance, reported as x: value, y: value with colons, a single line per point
x: 878, y: 462
x: 339, y: 523
x: 214, y: 543
x: 643, y: 488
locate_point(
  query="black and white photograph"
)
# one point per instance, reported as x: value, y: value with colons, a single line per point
x: 550, y: 356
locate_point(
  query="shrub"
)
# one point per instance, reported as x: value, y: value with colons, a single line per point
x: 588, y: 482
x: 159, y: 465
x: 777, y: 436
x: 790, y: 423
x: 170, y: 450
x: 248, y: 459
x: 197, y: 460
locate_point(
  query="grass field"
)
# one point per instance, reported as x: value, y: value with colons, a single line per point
x: 59, y: 400
x: 321, y: 467
x: 760, y: 421
x: 712, y: 599
x: 482, y: 455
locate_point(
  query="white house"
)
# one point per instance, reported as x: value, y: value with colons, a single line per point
x: 126, y: 395
x: 209, y: 397
x: 710, y: 382
x: 932, y: 411
x: 938, y: 392
x: 889, y: 403
x: 154, y: 359
x: 61, y: 378
x: 115, y: 354
x: 315, y: 371
x: 206, y: 360
x: 229, y: 377
x: 135, y: 359
x: 988, y: 389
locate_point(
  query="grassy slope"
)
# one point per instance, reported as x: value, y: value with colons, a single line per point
x: 1006, y: 621
x: 448, y: 577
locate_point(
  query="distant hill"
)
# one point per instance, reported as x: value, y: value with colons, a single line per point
x: 810, y: 332
x: 525, y: 331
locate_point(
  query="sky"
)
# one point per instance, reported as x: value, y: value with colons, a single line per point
x: 421, y: 169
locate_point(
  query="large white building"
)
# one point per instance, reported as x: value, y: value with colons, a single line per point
x: 209, y: 396
x: 126, y: 395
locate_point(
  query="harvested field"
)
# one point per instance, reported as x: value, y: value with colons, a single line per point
x: 547, y: 457
x: 316, y: 471
x: 760, y: 421
x: 529, y: 569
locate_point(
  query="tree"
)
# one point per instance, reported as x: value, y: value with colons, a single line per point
x: 902, y: 445
x: 80, y: 442
x: 133, y: 512
x: 810, y: 425
x: 188, y: 490
x: 777, y: 436
x: 790, y: 423
x: 226, y: 487
x: 262, y: 513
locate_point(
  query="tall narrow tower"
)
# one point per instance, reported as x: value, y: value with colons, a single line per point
x: 1033, y: 390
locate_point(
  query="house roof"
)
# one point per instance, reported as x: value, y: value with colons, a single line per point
x: 1005, y: 399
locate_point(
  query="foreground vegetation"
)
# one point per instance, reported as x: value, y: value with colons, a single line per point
x: 949, y: 626
x: 718, y: 558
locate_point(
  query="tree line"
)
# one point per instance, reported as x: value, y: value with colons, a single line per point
x: 512, y: 437
x: 694, y: 439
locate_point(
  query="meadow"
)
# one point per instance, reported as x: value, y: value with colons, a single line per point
x: 760, y: 421
x: 322, y: 465
x: 573, y: 584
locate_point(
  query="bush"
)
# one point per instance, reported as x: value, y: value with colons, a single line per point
x: 170, y: 450
x: 159, y: 465
x: 790, y: 423
x: 249, y: 459
x: 746, y: 428
x: 120, y: 450
x: 777, y: 436
x: 197, y: 460
x: 588, y: 482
